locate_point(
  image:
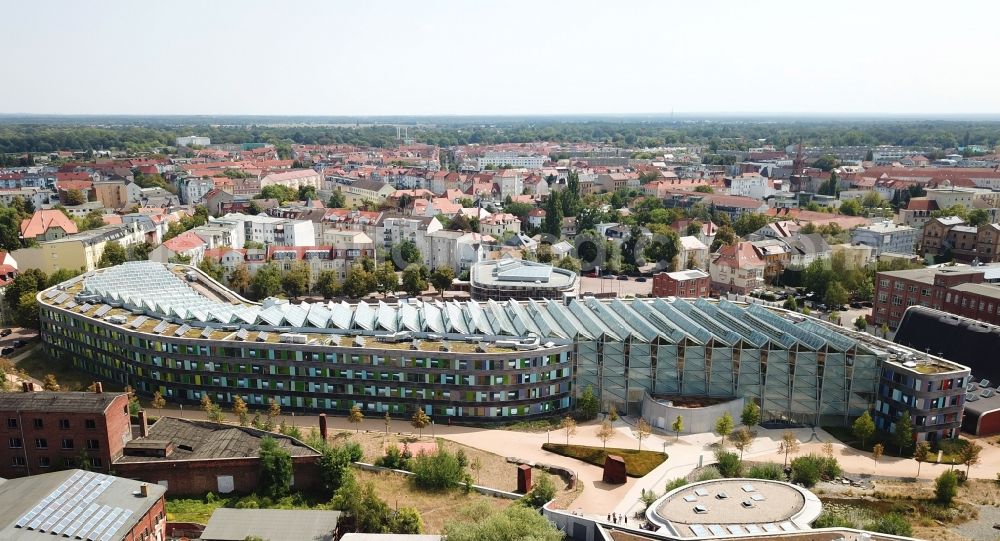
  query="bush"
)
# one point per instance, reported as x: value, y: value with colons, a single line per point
x: 440, y: 471
x: 946, y: 487
x: 769, y: 471
x: 709, y: 474
x: 728, y: 464
x: 826, y: 519
x: 354, y: 451
x: 394, y: 458
x: 892, y: 524
x: 680, y: 481
x: 542, y: 493
x: 808, y: 470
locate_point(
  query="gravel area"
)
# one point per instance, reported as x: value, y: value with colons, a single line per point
x: 982, y: 529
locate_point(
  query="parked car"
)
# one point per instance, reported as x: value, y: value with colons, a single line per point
x: 5, y: 332
x: 855, y: 305
x: 641, y: 279
x: 622, y: 277
x: 18, y: 344
x: 6, y: 351
x: 608, y: 276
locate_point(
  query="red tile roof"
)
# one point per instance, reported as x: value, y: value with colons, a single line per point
x: 42, y: 220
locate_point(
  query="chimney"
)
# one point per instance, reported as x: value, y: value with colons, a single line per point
x: 322, y: 426
x: 98, y: 387
x: 144, y: 490
x: 143, y: 424
x: 27, y: 386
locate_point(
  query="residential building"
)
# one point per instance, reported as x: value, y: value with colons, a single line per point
x: 693, y: 252
x: 357, y: 193
x: 353, y: 246
x: 918, y: 210
x: 47, y: 224
x: 886, y: 237
x: 193, y: 140
x: 264, y: 229
x: 47, y: 431
x: 79, y: 250
x: 294, y: 179
x: 194, y: 190
x: 187, y: 247
x: 467, y: 361
x: 497, y: 224
x: 111, y: 194
x: 510, y: 159
x: 737, y: 268
x: 691, y: 283
x: 804, y: 249
x: 510, y: 182
x: 392, y: 229
x: 750, y: 185
x: 930, y: 391
x: 81, y: 504
x: 775, y: 255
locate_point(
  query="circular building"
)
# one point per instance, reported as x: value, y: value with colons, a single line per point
x: 509, y: 278
x: 724, y: 507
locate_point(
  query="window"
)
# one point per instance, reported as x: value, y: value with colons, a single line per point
x: 18, y: 461
x: 41, y: 443
x: 44, y: 462
x: 11, y: 422
x: 68, y: 463
x: 95, y: 463
x: 91, y: 424
x: 16, y: 443
x: 64, y: 424
x: 39, y: 424
x: 67, y: 443
x: 93, y: 444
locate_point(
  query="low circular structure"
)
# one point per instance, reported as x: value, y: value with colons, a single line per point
x: 735, y: 507
x: 509, y: 278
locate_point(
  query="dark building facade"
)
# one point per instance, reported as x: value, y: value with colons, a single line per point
x: 956, y: 290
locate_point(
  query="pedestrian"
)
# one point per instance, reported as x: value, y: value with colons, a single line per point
x: 626, y: 519
x: 609, y: 517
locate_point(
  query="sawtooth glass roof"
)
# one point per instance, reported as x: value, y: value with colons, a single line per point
x: 154, y: 290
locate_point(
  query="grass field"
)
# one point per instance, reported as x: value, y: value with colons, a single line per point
x: 37, y: 364
x: 637, y: 463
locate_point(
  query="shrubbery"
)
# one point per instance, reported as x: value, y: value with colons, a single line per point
x: 827, y: 519
x: 808, y: 470
x: 946, y: 487
x: 395, y: 458
x: 728, y: 464
x: 678, y: 483
x: 439, y: 471
x: 709, y: 474
x: 770, y: 471
x: 892, y: 524
x: 542, y: 493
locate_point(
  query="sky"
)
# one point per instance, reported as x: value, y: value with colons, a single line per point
x: 509, y: 57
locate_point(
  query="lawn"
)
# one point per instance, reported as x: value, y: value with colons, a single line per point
x: 199, y: 510
x: 847, y: 437
x: 37, y: 364
x: 637, y: 463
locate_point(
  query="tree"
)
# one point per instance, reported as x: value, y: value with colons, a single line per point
x: 359, y: 282
x: 212, y: 268
x: 569, y: 426
x: 239, y: 279
x: 74, y: 197
x: 677, y: 427
x: 114, y: 254
x: 295, y: 281
x: 409, y: 252
x: 826, y: 162
x: 742, y: 440
x: 414, y: 282
x: 851, y: 207
x: 969, y: 455
x: 334, y: 466
x: 306, y: 193
x: 386, y: 279
x: 273, y: 412
x: 751, y: 414
x: 789, y: 445
x: 387, y: 420
x: 860, y: 324
x: 49, y: 383
x: 723, y: 426
x: 791, y: 304
x: 612, y: 413
x: 277, y: 191
x: 542, y: 493
x: 903, y: 435
x: 571, y: 197
x: 587, y: 404
x: 921, y: 454
x: 275, y: 468
x: 355, y: 417
x: 836, y: 295
x: 885, y: 330
x: 240, y: 410
x: 946, y: 487
x: 605, y: 432
x: 420, y: 420
x: 158, y: 402
x: 642, y: 431
x: 552, y: 223
x: 863, y: 428
x: 441, y: 278
x: 663, y: 249
x: 327, y: 284
x: 978, y: 217
x: 749, y: 222
x: 569, y: 263
x: 877, y: 453
x: 337, y: 200
x: 724, y: 236
x: 266, y: 282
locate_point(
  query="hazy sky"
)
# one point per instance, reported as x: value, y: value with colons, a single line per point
x: 498, y: 57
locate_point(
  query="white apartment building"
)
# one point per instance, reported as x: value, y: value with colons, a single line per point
x: 268, y: 230
x: 454, y: 249
x: 510, y: 159
x: 497, y: 224
x: 510, y: 181
x: 193, y: 140
x: 393, y: 229
x: 194, y: 190
x: 750, y: 185
x: 295, y: 179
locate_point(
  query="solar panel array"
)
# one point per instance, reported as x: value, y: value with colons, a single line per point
x: 104, y: 309
x: 242, y: 334
x: 146, y: 287
x: 160, y: 327
x: 182, y: 330
x: 52, y: 293
x: 137, y: 322
x: 70, y: 511
x: 207, y: 333
x: 63, y: 297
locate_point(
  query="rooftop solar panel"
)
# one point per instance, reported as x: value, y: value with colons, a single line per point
x: 242, y: 334
x: 160, y: 327
x: 207, y: 333
x: 182, y: 330
x: 52, y: 293
x: 137, y: 322
x: 102, y: 310
x: 262, y: 336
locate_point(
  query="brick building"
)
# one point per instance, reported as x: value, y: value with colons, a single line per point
x: 78, y: 504
x: 957, y: 290
x: 688, y: 283
x: 191, y: 457
x: 45, y: 431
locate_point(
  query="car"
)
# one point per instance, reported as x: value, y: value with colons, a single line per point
x: 641, y: 279
x: 608, y: 276
x: 855, y: 305
x: 18, y: 344
x: 6, y: 351
x: 867, y: 304
x: 5, y: 332
x: 622, y: 277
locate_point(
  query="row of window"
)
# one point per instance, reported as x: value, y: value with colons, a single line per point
x: 46, y: 462
x: 38, y: 424
x: 43, y: 443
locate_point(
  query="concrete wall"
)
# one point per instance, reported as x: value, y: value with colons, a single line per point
x: 662, y: 416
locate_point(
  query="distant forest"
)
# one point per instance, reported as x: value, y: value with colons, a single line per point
x: 46, y: 134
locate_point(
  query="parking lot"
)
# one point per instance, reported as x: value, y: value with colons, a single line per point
x: 621, y: 287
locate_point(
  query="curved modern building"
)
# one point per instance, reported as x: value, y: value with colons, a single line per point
x: 170, y: 328
x: 509, y: 278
